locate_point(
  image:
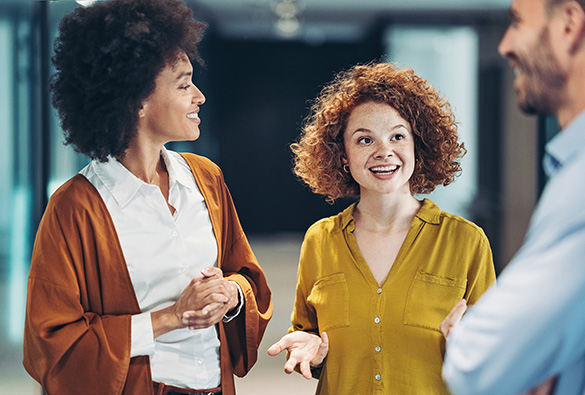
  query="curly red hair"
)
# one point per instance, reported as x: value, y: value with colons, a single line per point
x: 319, y: 150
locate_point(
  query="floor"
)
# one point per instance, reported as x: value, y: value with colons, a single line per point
x: 278, y: 256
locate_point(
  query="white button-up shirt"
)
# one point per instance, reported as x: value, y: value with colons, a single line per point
x: 163, y: 252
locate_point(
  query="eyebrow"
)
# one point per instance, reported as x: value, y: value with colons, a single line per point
x: 366, y: 130
x: 185, y: 74
x: 513, y: 15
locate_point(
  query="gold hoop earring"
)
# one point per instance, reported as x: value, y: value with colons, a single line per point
x: 346, y: 168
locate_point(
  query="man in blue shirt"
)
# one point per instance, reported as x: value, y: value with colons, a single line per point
x: 528, y: 330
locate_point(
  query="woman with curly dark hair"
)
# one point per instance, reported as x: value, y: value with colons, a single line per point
x: 376, y: 281
x: 142, y: 280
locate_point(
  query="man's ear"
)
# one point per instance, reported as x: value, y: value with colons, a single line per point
x: 573, y: 18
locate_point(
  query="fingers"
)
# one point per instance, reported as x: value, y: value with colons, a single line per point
x: 211, y: 284
x: 321, y: 351
x: 289, y: 367
x: 453, y: 317
x: 274, y: 349
x: 212, y: 271
x: 284, y: 343
x: 306, y: 370
x: 305, y: 349
x: 203, y: 291
x: 210, y: 315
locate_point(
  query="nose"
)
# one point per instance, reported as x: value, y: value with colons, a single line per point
x: 198, y: 96
x: 504, y: 48
x: 384, y: 150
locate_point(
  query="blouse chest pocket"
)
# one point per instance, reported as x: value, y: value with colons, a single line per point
x: 431, y: 298
x: 330, y: 299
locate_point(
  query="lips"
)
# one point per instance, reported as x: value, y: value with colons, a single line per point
x: 193, y: 115
x: 384, y: 170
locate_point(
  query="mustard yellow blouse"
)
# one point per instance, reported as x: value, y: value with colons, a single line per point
x: 386, y: 340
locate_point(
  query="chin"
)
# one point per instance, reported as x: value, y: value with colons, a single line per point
x: 193, y: 135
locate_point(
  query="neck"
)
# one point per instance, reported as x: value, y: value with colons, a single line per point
x: 386, y: 213
x: 145, y: 162
x: 574, y: 102
x: 571, y: 109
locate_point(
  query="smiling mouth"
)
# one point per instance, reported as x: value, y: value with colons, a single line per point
x: 193, y: 115
x: 384, y: 170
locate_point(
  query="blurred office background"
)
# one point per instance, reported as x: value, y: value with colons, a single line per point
x: 265, y: 61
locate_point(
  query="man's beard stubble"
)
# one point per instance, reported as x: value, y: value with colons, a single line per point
x: 544, y: 78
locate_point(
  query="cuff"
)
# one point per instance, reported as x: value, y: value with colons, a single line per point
x: 142, y: 335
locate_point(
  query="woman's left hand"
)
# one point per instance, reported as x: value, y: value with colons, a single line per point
x: 203, y: 303
x: 213, y: 312
x: 305, y: 349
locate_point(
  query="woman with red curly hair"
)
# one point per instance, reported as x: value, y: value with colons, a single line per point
x: 376, y: 281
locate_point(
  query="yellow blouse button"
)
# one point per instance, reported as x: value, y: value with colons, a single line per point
x: 377, y: 320
x: 378, y: 348
x: 378, y: 377
x: 379, y: 291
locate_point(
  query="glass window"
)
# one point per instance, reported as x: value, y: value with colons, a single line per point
x: 447, y: 57
x: 16, y: 187
x: 64, y: 161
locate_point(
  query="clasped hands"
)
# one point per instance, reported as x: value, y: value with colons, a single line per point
x: 203, y: 303
x: 305, y: 349
x: 206, y: 300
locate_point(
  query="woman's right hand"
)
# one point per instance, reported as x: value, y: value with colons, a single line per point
x: 202, y: 303
x: 305, y: 349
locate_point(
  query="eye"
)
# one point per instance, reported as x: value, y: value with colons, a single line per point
x: 187, y: 85
x: 514, y: 19
x: 398, y: 136
x: 365, y: 140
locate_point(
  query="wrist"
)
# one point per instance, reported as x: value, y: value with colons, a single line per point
x: 165, y: 320
x: 235, y: 296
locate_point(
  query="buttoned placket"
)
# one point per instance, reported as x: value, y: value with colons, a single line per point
x: 377, y: 336
x: 175, y: 240
x: 175, y: 202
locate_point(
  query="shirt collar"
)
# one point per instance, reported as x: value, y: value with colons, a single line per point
x: 429, y: 213
x: 347, y: 216
x: 123, y: 185
x: 179, y: 170
x: 565, y: 146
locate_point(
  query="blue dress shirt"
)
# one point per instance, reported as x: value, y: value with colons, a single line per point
x: 530, y: 325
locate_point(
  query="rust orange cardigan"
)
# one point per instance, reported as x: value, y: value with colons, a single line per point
x: 81, y: 299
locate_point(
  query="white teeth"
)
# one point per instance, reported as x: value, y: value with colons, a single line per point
x: 384, y: 168
x: 193, y: 115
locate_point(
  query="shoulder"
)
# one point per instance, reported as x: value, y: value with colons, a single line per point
x: 457, y: 226
x: 75, y: 193
x: 461, y: 224
x: 74, y: 205
x: 200, y: 164
x: 330, y: 226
